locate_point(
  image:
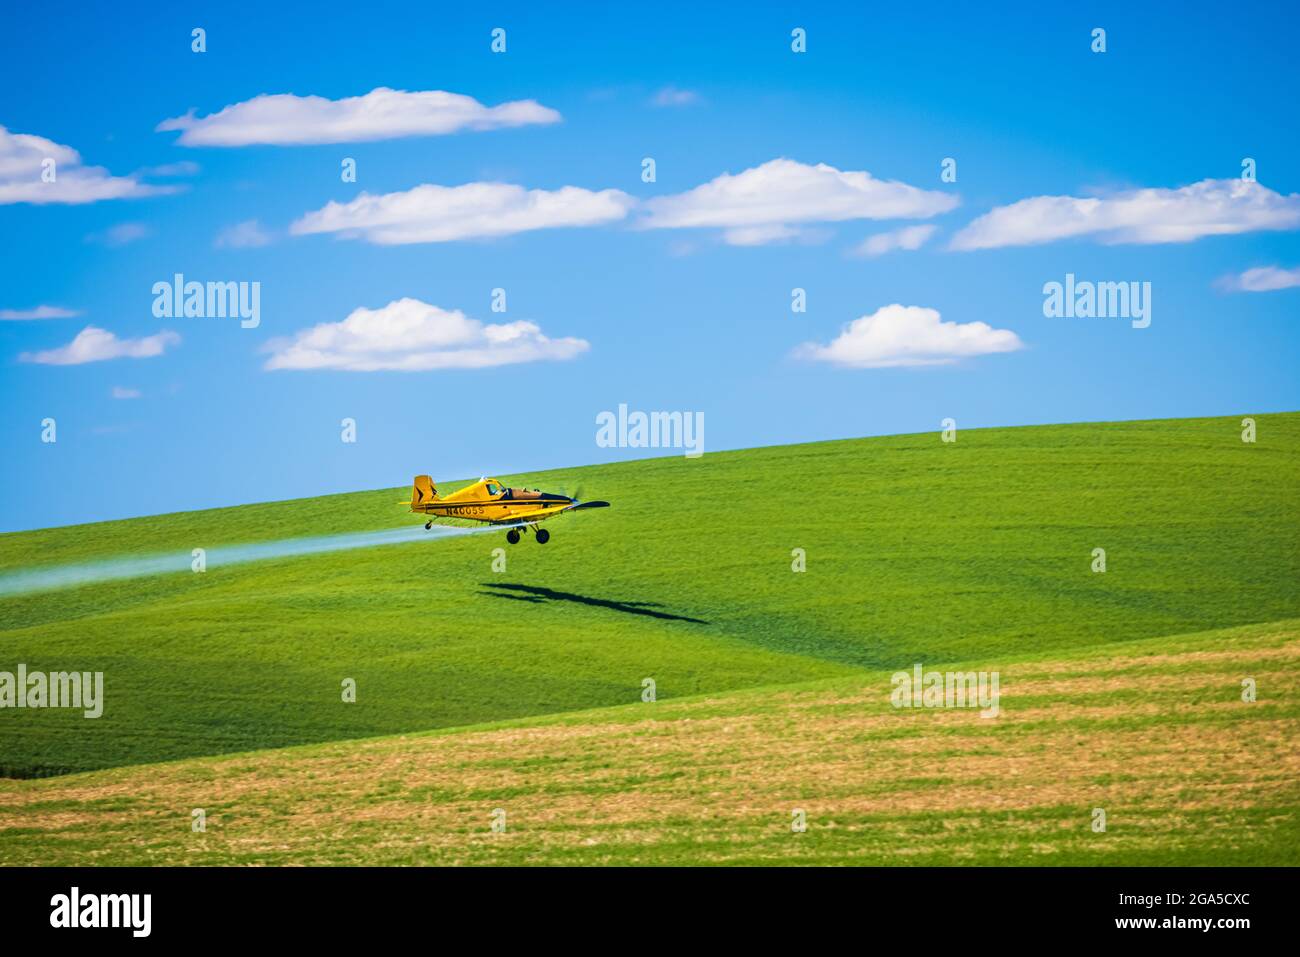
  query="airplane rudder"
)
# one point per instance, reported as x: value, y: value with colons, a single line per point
x: 423, y: 491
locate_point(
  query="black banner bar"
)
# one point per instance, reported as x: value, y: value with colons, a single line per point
x: 940, y: 905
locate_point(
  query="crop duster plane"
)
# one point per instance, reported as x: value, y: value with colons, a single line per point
x: 489, y: 501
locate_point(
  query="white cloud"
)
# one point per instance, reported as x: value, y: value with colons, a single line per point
x: 1262, y: 279
x: 24, y: 170
x: 897, y: 335
x: 183, y: 168
x: 243, y: 235
x: 119, y: 392
x: 759, y: 235
x: 1211, y: 207
x: 284, y: 119
x: 672, y: 96
x: 770, y: 200
x: 120, y: 235
x: 40, y: 312
x: 408, y: 335
x: 435, y: 214
x: 95, y: 345
x: 909, y: 237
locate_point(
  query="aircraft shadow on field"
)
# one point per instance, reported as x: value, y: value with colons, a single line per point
x: 539, y: 595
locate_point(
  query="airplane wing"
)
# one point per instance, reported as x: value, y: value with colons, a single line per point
x: 526, y: 518
x: 472, y: 513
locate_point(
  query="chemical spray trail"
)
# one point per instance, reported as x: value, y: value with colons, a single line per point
x: 30, y: 580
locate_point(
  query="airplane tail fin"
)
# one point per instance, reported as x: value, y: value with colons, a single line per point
x: 422, y: 492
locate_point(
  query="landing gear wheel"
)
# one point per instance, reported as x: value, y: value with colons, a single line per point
x: 428, y: 525
x: 543, y: 536
x: 512, y: 536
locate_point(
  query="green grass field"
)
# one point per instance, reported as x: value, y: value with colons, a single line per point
x: 522, y: 689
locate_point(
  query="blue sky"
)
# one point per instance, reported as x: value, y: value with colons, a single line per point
x: 674, y: 317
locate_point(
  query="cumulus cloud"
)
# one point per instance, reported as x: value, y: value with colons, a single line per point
x: 183, y: 168
x: 897, y: 335
x: 767, y: 203
x: 435, y: 214
x: 909, y: 237
x: 39, y: 171
x: 245, y: 235
x: 284, y: 119
x: 1211, y: 207
x: 1261, y: 279
x: 40, y: 312
x: 672, y: 96
x: 120, y: 235
x: 95, y: 345
x: 408, y: 335
x: 759, y: 235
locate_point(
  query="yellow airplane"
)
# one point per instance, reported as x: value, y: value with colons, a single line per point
x: 488, y: 500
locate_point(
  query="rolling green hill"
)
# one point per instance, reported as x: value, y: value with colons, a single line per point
x: 1153, y: 733
x: 520, y: 688
x: 916, y: 550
